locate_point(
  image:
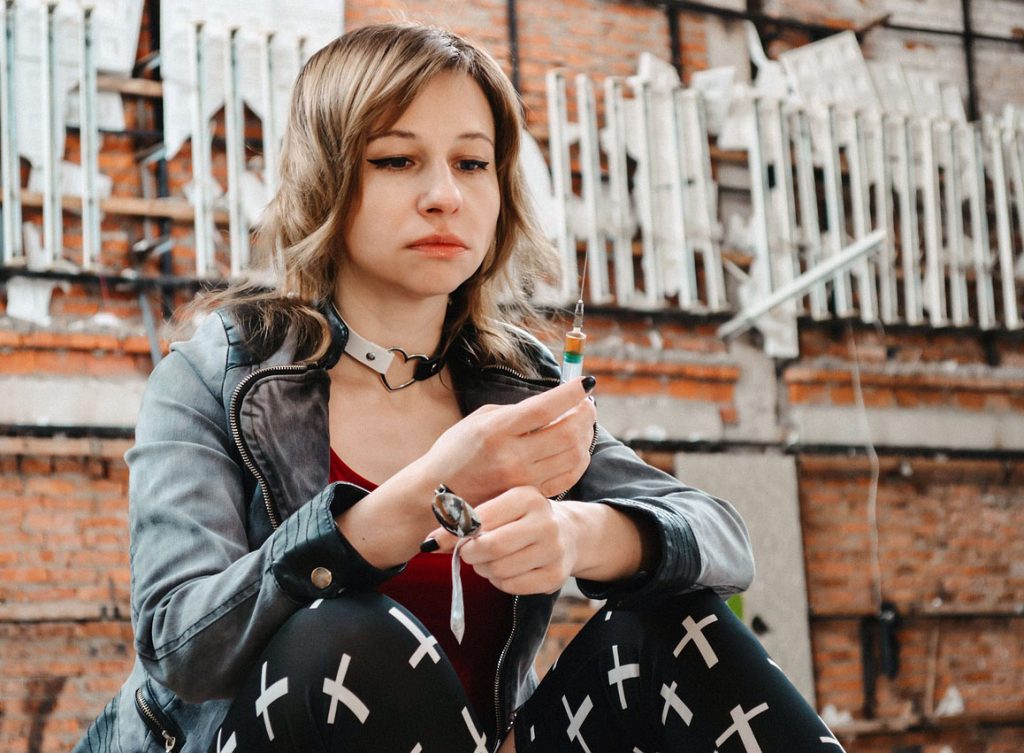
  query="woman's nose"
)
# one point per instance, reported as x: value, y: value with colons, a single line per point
x: 441, y: 194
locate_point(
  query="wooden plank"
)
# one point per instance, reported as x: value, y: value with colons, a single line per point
x: 134, y: 87
x: 132, y: 206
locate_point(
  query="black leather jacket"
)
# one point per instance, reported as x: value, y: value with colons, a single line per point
x: 230, y: 512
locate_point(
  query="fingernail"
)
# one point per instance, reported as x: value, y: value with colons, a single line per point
x: 430, y: 545
x: 588, y: 383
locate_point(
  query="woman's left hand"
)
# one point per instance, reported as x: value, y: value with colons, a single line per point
x: 528, y: 544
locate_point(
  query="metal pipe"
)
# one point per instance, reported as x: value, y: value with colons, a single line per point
x: 835, y: 213
x: 512, y: 21
x: 954, y: 227
x: 789, y: 261
x: 618, y: 186
x: 908, y: 226
x: 887, y: 299
x: 53, y: 217
x: 160, y: 169
x: 148, y: 323
x: 1011, y: 318
x: 1015, y: 155
x: 935, y: 280
x: 706, y: 195
x: 968, y: 40
x: 843, y: 260
x: 686, y: 272
x: 807, y: 195
x: 234, y: 121
x: 590, y: 167
x: 561, y: 183
x: 651, y: 261
x: 269, y: 121
x: 977, y: 204
x: 88, y: 142
x: 856, y: 159
x: 201, y: 158
x: 675, y: 41
x: 759, y: 202
x: 10, y: 162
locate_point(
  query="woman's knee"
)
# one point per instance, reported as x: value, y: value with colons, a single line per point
x: 364, y: 624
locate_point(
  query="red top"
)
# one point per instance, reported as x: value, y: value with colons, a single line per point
x: 425, y: 589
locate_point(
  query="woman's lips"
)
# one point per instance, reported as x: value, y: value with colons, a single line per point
x: 442, y: 246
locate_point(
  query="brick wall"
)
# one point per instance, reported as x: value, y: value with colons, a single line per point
x: 949, y: 513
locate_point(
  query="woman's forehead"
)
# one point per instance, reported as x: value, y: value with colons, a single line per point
x: 451, y: 100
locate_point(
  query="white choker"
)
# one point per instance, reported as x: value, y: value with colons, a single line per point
x: 379, y: 358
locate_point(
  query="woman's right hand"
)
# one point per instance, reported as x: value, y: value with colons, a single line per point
x: 543, y: 441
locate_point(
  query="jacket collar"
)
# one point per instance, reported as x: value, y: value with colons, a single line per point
x: 339, y: 334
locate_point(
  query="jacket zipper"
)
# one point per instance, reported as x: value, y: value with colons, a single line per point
x: 515, y: 600
x: 236, y: 434
x: 540, y: 381
x: 497, y: 673
x: 155, y: 724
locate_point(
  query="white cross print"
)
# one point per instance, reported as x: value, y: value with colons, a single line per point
x: 427, y: 641
x: 267, y: 696
x: 674, y: 702
x: 830, y: 741
x: 620, y: 673
x: 338, y: 692
x: 576, y: 720
x: 231, y: 744
x: 478, y: 737
x: 694, y: 632
x: 741, y: 725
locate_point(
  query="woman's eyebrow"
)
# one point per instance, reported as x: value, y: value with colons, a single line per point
x: 398, y: 133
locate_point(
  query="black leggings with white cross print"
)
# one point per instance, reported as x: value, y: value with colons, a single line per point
x: 359, y: 673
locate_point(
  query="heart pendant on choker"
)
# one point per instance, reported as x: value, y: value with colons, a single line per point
x: 379, y: 359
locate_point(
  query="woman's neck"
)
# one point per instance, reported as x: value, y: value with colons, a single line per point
x: 413, y: 326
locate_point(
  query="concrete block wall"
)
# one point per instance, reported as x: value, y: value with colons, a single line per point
x: 944, y: 408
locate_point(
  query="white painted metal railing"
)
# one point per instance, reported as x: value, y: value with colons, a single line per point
x: 634, y: 188
x: 820, y: 180
x: 670, y: 213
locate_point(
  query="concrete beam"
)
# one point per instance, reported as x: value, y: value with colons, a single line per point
x: 912, y: 427
x: 70, y: 401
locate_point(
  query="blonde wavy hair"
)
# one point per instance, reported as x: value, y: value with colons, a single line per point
x: 352, y: 87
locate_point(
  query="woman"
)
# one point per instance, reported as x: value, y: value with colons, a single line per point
x: 286, y: 465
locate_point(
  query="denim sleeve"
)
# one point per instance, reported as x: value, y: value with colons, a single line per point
x: 703, y: 541
x: 203, y: 605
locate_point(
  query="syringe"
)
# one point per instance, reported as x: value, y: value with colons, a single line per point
x: 575, y: 339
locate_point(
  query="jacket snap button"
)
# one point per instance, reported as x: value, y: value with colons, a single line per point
x: 321, y: 577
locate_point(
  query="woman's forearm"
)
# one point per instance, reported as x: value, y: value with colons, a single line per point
x: 387, y: 526
x: 611, y: 545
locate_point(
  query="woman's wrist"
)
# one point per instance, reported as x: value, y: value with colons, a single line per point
x: 610, y: 544
x: 387, y: 526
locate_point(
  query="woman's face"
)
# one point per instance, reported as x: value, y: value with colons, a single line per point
x: 429, y: 202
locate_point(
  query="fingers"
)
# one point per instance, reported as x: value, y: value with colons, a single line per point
x: 538, y: 411
x: 439, y: 540
x: 526, y: 546
x: 559, y: 448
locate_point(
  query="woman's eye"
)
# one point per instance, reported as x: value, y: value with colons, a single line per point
x: 390, y: 163
x: 472, y: 165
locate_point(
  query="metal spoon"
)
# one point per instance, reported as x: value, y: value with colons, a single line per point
x: 457, y: 517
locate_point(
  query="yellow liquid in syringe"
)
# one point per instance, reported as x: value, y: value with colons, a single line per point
x: 572, y: 355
